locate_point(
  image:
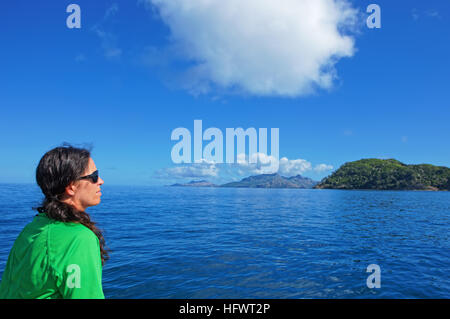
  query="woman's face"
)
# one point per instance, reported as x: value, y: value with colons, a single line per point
x: 87, y: 192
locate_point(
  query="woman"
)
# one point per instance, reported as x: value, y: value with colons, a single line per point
x: 61, y: 252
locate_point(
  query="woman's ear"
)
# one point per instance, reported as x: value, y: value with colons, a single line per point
x: 70, y: 189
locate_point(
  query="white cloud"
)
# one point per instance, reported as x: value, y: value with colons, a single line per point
x: 108, y: 39
x: 433, y: 13
x: 194, y: 170
x: 430, y: 13
x: 111, y: 11
x: 260, y: 47
x: 258, y: 164
x: 293, y: 167
x: 415, y: 14
x: 320, y: 168
x: 109, y: 44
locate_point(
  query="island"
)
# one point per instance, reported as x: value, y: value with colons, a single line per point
x: 260, y: 181
x: 273, y: 181
x: 387, y: 174
x: 196, y: 184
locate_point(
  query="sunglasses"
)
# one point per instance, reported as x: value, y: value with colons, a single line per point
x: 93, y: 177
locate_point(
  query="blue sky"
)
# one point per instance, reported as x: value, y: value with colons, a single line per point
x: 128, y: 77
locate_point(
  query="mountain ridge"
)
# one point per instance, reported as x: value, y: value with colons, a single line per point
x: 259, y: 181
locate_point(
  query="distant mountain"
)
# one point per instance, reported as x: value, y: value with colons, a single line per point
x: 302, y: 182
x: 196, y: 184
x: 387, y: 174
x: 273, y: 181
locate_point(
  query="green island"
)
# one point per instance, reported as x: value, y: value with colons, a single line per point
x: 387, y: 174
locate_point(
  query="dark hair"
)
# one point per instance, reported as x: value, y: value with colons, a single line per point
x: 56, y: 170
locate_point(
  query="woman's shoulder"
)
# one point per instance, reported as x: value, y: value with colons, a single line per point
x: 67, y: 232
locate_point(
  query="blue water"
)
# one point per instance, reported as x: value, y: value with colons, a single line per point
x: 260, y: 243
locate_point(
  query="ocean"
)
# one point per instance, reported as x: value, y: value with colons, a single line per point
x: 175, y: 242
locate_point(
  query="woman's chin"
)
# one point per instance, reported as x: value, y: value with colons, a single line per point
x: 96, y: 201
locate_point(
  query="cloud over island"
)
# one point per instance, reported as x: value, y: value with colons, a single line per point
x: 242, y: 168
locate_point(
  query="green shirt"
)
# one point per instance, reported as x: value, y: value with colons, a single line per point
x: 52, y: 259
